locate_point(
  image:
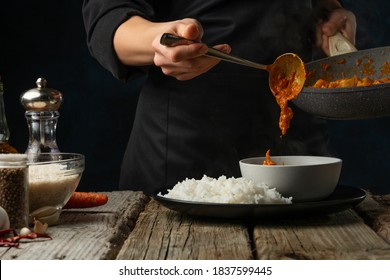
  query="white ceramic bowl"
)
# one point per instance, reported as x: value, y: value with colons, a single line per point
x: 53, y: 177
x: 304, y: 178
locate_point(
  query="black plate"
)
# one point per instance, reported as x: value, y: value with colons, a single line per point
x: 344, y: 197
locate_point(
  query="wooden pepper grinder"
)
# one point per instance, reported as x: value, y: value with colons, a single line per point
x: 42, y: 106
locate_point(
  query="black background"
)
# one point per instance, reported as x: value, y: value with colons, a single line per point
x: 47, y: 39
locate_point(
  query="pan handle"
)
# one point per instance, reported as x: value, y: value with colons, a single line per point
x: 338, y: 44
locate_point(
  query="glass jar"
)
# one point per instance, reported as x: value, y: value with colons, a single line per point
x: 14, y: 188
x: 5, y: 147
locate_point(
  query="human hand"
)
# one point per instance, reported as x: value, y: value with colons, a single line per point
x: 185, y: 62
x: 339, y: 20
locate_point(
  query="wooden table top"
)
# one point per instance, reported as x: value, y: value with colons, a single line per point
x: 132, y: 226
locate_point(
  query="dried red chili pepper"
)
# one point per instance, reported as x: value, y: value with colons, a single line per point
x: 7, y: 231
x: 14, y: 240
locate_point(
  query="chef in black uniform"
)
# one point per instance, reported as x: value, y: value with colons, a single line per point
x: 196, y: 115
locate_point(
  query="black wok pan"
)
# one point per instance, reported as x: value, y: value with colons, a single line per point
x: 352, y: 102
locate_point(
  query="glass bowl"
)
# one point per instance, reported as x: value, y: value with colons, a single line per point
x: 53, y: 177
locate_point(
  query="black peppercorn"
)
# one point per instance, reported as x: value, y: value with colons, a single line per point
x: 13, y: 188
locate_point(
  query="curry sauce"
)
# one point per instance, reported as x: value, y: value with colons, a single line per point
x: 268, y: 160
x: 284, y: 89
x: 349, y: 82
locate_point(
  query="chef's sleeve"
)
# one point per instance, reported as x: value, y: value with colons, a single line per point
x: 101, y: 19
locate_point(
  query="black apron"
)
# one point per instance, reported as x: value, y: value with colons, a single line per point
x: 204, y: 126
x: 183, y: 131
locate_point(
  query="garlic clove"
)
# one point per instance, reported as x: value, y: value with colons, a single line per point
x: 25, y: 231
x: 40, y: 227
x: 4, y: 219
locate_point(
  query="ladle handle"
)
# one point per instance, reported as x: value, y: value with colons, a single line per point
x: 171, y: 40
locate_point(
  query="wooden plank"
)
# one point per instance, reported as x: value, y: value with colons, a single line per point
x: 341, y: 235
x: 91, y: 233
x: 164, y: 234
x: 375, y: 210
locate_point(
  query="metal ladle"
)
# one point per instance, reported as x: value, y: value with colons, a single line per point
x: 288, y: 67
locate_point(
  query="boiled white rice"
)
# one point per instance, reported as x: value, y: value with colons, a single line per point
x: 226, y: 190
